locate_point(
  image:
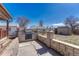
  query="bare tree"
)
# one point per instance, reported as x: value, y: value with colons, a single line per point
x: 40, y: 23
x: 71, y: 22
x: 23, y: 21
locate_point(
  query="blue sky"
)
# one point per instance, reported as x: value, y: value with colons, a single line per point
x: 50, y: 13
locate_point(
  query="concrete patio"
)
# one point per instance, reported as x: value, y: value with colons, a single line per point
x: 35, y: 48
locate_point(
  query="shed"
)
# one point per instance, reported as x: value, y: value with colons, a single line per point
x: 64, y: 30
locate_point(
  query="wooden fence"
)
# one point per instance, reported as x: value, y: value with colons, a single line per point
x: 3, y: 33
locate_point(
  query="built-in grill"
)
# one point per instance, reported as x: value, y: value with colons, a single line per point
x: 28, y: 35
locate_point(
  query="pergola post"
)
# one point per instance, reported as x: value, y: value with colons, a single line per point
x: 7, y: 28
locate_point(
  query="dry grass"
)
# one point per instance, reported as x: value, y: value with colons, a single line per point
x: 43, y: 33
x: 73, y: 39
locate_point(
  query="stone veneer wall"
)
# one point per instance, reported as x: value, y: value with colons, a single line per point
x: 21, y: 36
x: 63, y: 48
x: 34, y: 35
x: 11, y: 49
x: 46, y: 39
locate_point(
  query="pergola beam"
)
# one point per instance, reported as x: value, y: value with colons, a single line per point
x: 4, y: 12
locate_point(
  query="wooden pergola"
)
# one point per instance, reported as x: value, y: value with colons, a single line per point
x: 5, y: 16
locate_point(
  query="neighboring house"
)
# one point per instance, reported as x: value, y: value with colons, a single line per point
x: 10, y: 27
x: 3, y: 31
x: 13, y: 27
x: 64, y: 30
x: 76, y: 30
x: 3, y: 27
x: 28, y: 30
x: 39, y: 28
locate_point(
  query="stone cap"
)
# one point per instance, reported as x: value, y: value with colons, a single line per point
x: 65, y: 43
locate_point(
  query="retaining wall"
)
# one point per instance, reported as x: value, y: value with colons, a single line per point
x: 63, y: 48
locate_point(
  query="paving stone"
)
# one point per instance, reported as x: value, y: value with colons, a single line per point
x: 27, y: 50
x: 43, y: 50
x: 35, y: 48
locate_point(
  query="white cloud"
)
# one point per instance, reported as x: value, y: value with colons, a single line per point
x: 77, y: 22
x: 58, y: 24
